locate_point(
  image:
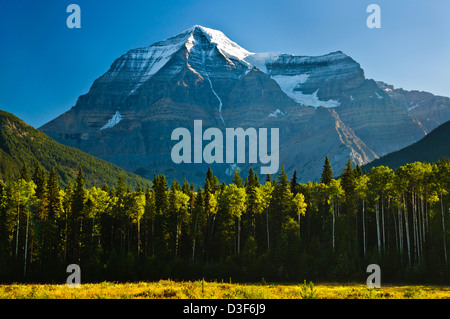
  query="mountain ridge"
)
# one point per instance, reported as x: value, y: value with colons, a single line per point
x: 430, y: 149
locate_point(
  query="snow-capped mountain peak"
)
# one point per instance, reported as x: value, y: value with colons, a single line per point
x: 227, y: 47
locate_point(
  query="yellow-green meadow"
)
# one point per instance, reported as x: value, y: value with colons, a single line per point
x: 167, y: 289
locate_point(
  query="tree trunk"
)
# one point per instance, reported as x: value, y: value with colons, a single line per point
x: 395, y: 229
x: 407, y: 230
x: 194, y: 237
x: 65, y: 239
x: 26, y: 246
x: 423, y: 220
x: 382, y: 221
x: 239, y: 236
x: 17, y: 232
x: 92, y: 236
x: 443, y: 232
x: 414, y: 226
x: 377, y: 216
x: 400, y: 227
x: 364, y: 226
x: 139, y: 236
x: 153, y: 237
x: 334, y: 222
x: 267, y: 229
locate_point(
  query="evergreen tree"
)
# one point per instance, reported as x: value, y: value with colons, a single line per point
x: 281, y: 207
x: 24, y: 174
x: 197, y: 220
x: 327, y: 173
x: 161, y: 216
x: 75, y: 223
x: 120, y: 186
x: 294, y: 184
x: 237, y: 179
x: 51, y: 231
x: 358, y: 171
x: 40, y: 180
x: 348, y: 185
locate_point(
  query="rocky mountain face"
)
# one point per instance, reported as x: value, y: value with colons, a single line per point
x: 321, y: 105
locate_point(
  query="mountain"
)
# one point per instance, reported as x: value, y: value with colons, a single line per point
x: 430, y: 149
x: 21, y: 144
x: 322, y: 105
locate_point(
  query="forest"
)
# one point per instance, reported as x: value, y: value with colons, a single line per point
x: 268, y: 228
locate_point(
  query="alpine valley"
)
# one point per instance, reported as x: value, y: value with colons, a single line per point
x: 322, y: 105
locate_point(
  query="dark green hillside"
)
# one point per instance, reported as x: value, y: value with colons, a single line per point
x: 21, y: 143
x: 429, y: 149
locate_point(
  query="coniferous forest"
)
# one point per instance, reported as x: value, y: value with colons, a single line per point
x: 255, y: 228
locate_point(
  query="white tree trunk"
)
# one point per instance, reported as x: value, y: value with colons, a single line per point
x: 195, y: 237
x: 400, y: 227
x: 334, y: 223
x: 382, y: 221
x: 364, y: 226
x: 26, y: 246
x: 267, y: 229
x: 239, y: 236
x: 443, y: 231
x: 17, y: 232
x: 377, y: 215
x: 407, y: 230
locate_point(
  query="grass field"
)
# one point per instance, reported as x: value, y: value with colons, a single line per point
x: 167, y: 289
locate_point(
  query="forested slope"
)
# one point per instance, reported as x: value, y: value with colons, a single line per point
x: 21, y: 144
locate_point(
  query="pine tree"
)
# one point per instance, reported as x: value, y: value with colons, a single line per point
x: 105, y: 187
x: 348, y: 185
x: 281, y: 207
x: 24, y: 174
x: 197, y: 220
x: 327, y: 173
x: 358, y: 171
x: 185, y: 187
x: 120, y: 186
x: 76, y: 219
x: 294, y: 184
x: 51, y: 228
x: 40, y: 180
x: 252, y: 189
x: 237, y: 179
x: 161, y: 218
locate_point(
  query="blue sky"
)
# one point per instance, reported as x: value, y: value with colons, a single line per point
x: 45, y: 66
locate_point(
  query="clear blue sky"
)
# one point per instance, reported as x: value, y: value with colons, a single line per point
x: 45, y: 66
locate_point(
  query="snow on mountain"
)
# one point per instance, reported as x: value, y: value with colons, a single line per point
x: 117, y: 117
x: 139, y: 65
x: 276, y: 113
x: 291, y: 81
x: 260, y: 60
x: 291, y: 84
x: 227, y: 47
